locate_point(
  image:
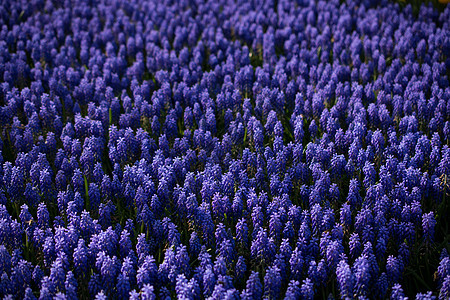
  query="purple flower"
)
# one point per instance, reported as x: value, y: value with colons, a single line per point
x: 345, y: 279
x: 445, y: 289
x: 307, y: 289
x: 361, y: 271
x: 147, y: 292
x: 71, y: 286
x: 293, y: 290
x: 397, y: 292
x: 253, y: 288
x: 272, y: 282
x: 123, y: 285
x: 428, y: 225
x: 186, y: 289
x: 80, y: 258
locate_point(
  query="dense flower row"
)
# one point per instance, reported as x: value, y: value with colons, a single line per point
x: 224, y: 150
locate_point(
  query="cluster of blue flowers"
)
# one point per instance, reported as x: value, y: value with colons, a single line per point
x: 224, y: 150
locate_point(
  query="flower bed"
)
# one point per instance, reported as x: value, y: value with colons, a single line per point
x: 222, y: 150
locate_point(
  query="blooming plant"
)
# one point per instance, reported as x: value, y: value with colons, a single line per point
x: 224, y: 149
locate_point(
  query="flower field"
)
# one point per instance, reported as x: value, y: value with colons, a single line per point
x: 219, y: 149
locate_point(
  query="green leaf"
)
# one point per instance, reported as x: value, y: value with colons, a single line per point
x: 86, y: 186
